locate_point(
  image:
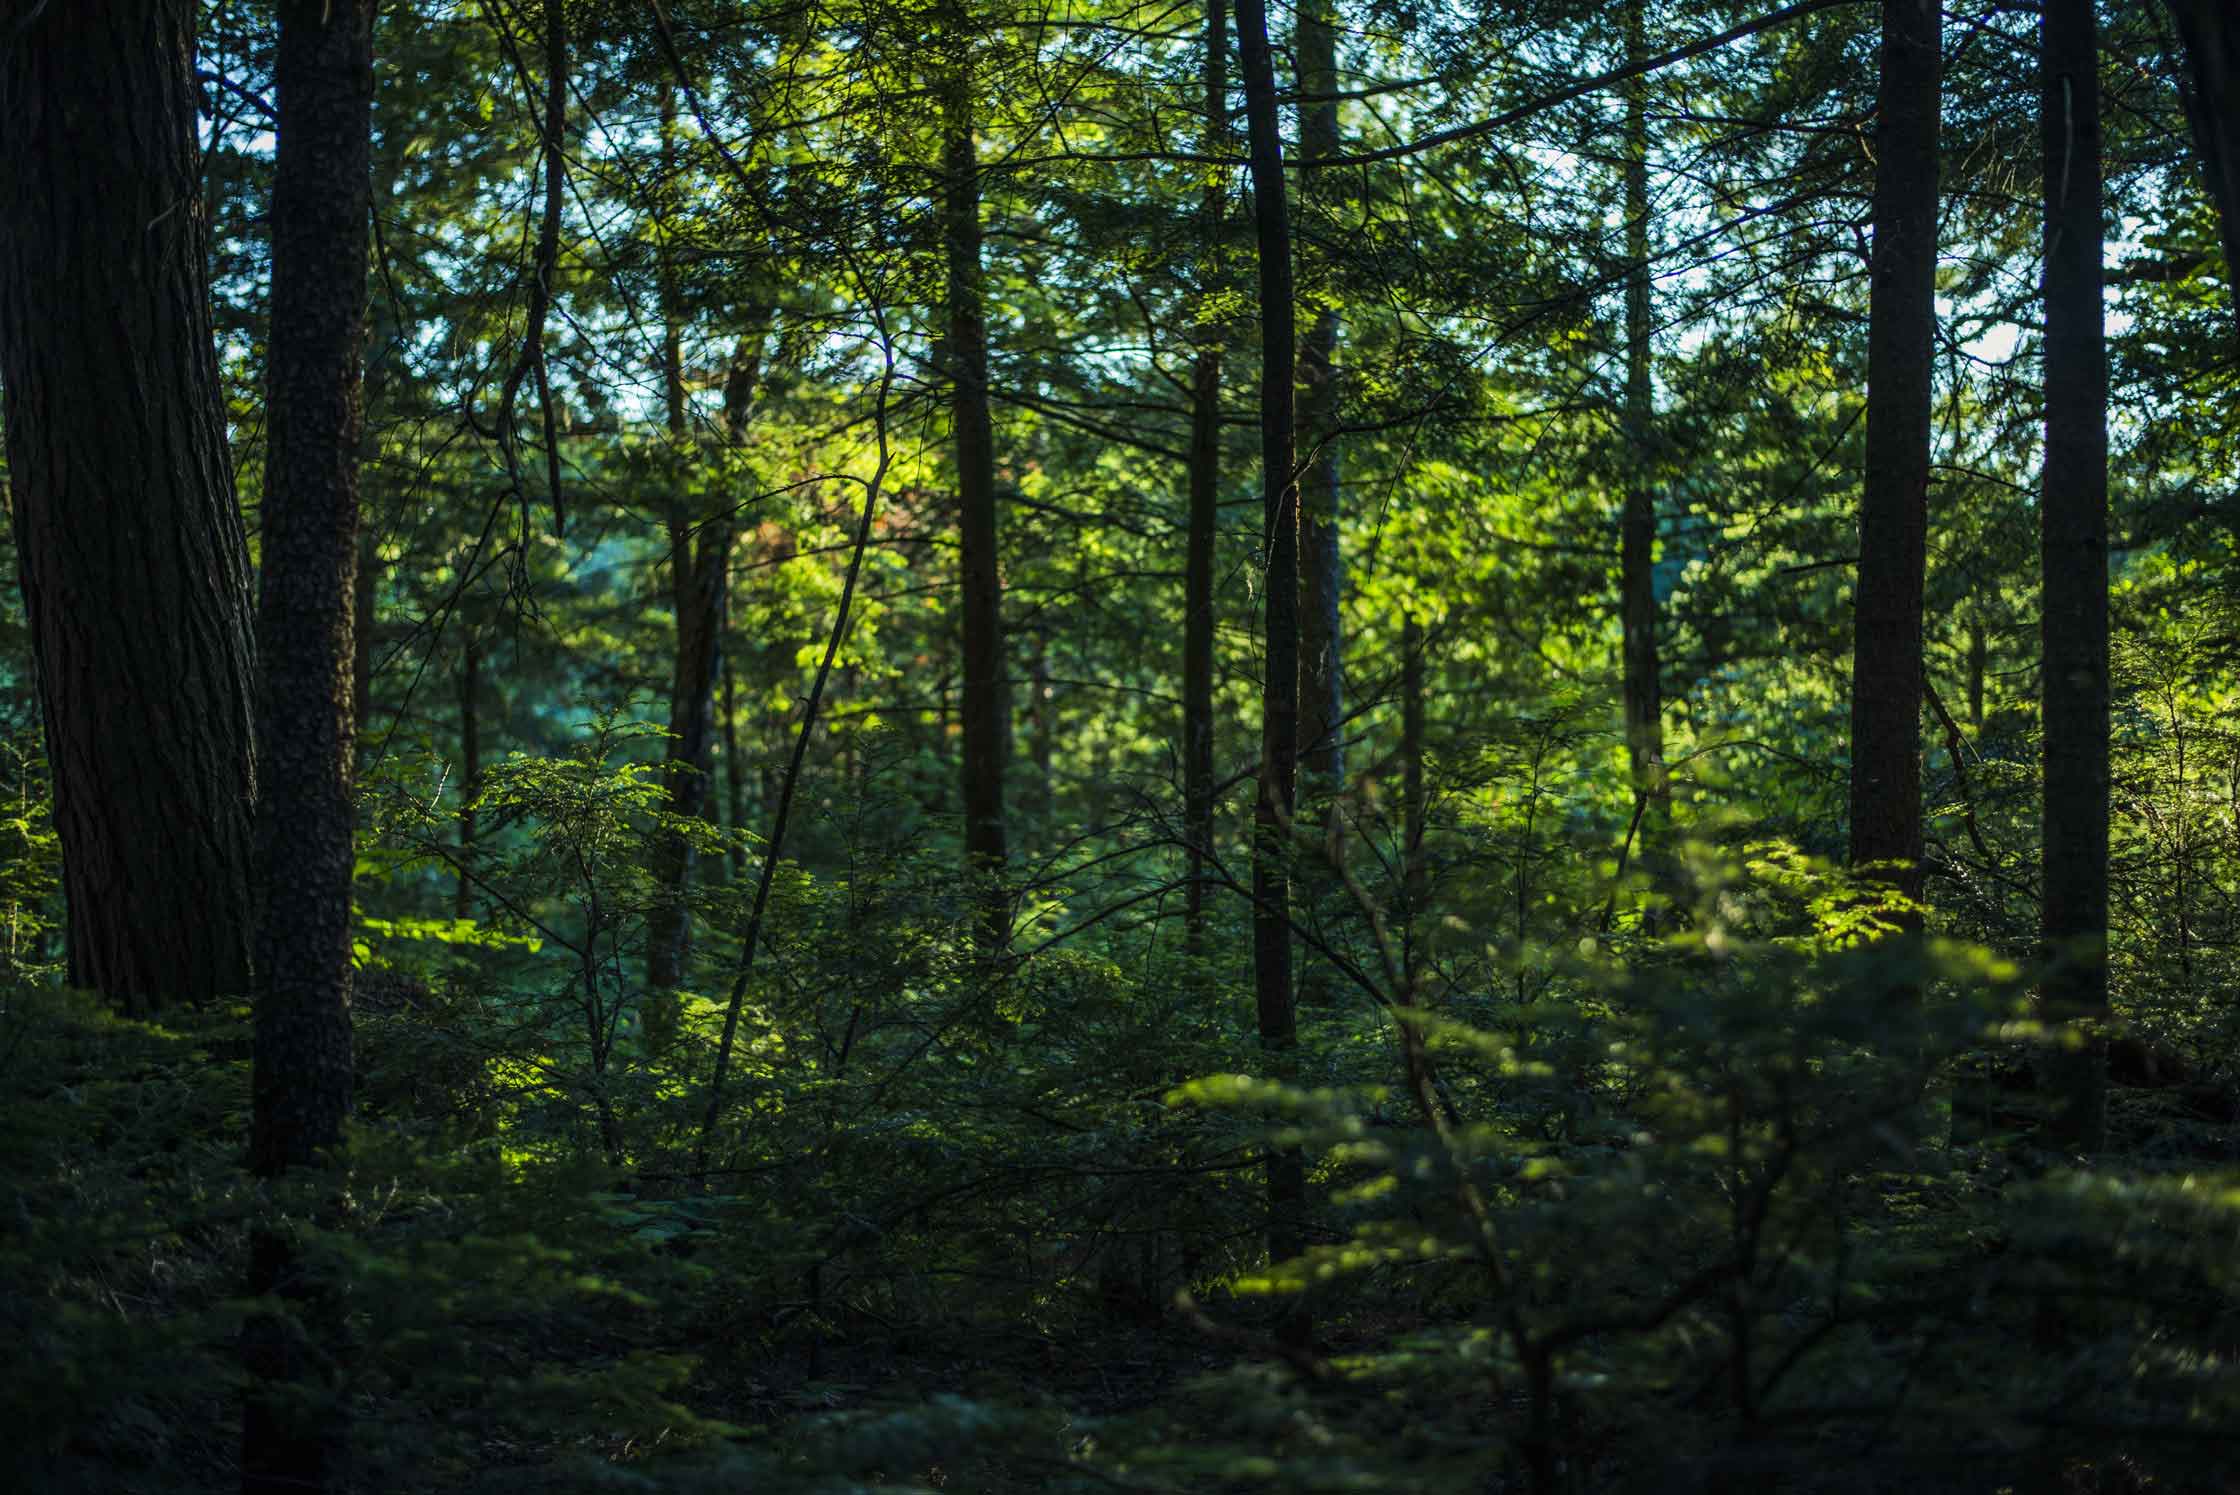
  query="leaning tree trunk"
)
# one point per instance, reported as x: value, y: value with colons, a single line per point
x: 321, y: 199
x: 131, y: 558
x: 1279, y: 691
x: 986, y: 705
x: 1893, y: 508
x: 1637, y: 525
x: 2209, y: 33
x: 1205, y: 498
x: 2073, y: 518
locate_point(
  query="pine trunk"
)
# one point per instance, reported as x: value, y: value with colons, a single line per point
x: 293, y: 1425
x: 2073, y: 515
x: 1205, y: 498
x: 1279, y: 691
x: 1893, y: 509
x: 985, y: 705
x: 1637, y: 528
x: 132, y: 563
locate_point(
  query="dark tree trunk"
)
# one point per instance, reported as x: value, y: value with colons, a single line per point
x: 1637, y: 527
x: 1322, y: 709
x: 2073, y: 514
x: 986, y: 709
x: 700, y: 575
x: 1205, y: 498
x: 132, y: 563
x: 2209, y: 33
x: 321, y: 199
x: 1893, y: 507
x: 1322, y: 692
x: 470, y: 760
x: 1279, y: 691
x: 1413, y: 803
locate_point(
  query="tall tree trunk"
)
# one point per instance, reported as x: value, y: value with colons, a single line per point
x: 986, y: 709
x: 321, y: 199
x: 1893, y: 507
x: 1322, y: 703
x: 1321, y: 569
x: 1637, y: 526
x: 2209, y: 34
x: 1279, y: 690
x: 1205, y: 498
x: 700, y: 572
x: 134, y: 572
x: 1414, y: 878
x: 2073, y: 515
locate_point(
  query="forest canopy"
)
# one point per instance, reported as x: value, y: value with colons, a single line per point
x: 874, y: 745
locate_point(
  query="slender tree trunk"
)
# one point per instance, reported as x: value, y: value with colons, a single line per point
x: 734, y: 770
x: 1637, y: 526
x: 1893, y: 509
x: 1205, y: 496
x: 700, y: 572
x: 1321, y: 569
x: 131, y: 558
x: 1414, y: 805
x: 1322, y: 694
x: 2073, y: 513
x: 1978, y: 660
x: 1279, y: 692
x: 985, y: 707
x: 2209, y: 34
x: 470, y: 760
x: 1042, y: 727
x: 321, y: 198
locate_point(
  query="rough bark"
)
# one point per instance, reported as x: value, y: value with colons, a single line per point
x: 1205, y: 497
x: 2209, y: 35
x: 1279, y: 690
x: 985, y: 706
x: 132, y: 562
x: 1893, y: 507
x: 1637, y: 526
x: 322, y: 196
x: 2073, y: 514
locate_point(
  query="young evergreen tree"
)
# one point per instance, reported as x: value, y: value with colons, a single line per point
x: 131, y: 556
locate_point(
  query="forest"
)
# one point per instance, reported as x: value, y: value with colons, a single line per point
x: 1105, y: 745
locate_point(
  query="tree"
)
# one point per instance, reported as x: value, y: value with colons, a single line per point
x: 986, y: 704
x: 133, y: 567
x: 2073, y: 525
x: 1637, y: 524
x: 1274, y: 999
x: 699, y: 579
x: 1204, y: 521
x: 321, y: 200
x: 1894, y: 501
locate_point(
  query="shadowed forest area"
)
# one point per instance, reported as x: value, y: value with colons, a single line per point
x: 843, y: 745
